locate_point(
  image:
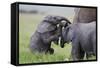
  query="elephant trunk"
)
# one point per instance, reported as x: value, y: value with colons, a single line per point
x: 65, y: 22
x: 64, y: 25
x: 62, y: 41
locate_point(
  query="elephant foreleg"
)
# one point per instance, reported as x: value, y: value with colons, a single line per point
x: 50, y: 51
x: 76, y: 54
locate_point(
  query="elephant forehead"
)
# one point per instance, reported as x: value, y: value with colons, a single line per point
x: 46, y: 27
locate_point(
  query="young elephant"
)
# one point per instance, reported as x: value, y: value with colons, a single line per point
x: 46, y: 32
x: 83, y: 38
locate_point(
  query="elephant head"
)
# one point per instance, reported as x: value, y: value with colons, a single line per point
x: 67, y: 34
x: 49, y: 30
x: 63, y: 32
x: 56, y: 20
x: 63, y: 23
x: 50, y: 23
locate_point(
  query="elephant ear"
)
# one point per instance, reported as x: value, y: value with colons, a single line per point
x: 45, y: 27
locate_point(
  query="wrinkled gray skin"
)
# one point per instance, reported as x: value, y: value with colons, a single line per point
x: 46, y: 32
x: 83, y: 38
x: 85, y: 15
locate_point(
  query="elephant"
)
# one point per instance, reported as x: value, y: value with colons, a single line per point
x: 82, y: 15
x: 85, y: 15
x: 49, y: 30
x: 83, y: 38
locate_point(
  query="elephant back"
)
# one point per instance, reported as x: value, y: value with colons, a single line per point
x: 84, y: 15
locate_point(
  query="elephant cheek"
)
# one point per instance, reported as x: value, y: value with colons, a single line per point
x: 68, y: 37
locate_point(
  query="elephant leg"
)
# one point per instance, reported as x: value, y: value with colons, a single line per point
x: 56, y: 41
x: 78, y: 55
x: 82, y: 53
x: 50, y: 51
x: 88, y: 55
x: 75, y: 50
x: 75, y: 54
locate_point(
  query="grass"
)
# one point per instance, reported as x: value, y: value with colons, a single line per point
x: 59, y: 55
x: 27, y: 26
